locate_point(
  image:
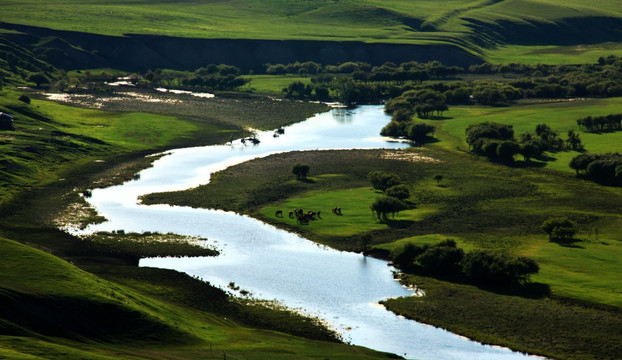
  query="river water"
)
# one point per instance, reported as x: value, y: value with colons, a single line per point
x: 340, y: 287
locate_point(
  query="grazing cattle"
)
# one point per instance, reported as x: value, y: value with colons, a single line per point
x: 303, y: 219
x: 339, y: 211
x: 278, y: 213
x: 291, y: 214
x: 318, y: 214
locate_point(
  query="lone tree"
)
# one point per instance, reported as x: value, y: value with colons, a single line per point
x: 385, y: 205
x: 438, y: 178
x: 559, y: 228
x: 37, y: 78
x: 300, y: 170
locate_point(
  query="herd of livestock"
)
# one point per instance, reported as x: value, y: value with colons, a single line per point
x: 303, y: 217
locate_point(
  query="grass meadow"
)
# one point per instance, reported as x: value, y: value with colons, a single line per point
x: 272, y: 84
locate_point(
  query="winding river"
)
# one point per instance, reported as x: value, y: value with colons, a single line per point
x: 340, y: 287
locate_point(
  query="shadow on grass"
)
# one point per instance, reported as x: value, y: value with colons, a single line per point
x: 397, y: 224
x: 307, y: 180
x: 528, y: 290
x: 425, y: 140
x: 437, y: 118
x: 569, y: 243
x: 527, y: 164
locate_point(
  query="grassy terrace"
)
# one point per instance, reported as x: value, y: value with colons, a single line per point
x: 474, y: 25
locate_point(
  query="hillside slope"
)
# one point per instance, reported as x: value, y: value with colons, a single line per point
x: 475, y: 26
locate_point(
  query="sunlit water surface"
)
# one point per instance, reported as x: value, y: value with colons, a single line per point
x: 342, y: 288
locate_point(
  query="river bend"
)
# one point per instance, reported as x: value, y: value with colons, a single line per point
x: 340, y: 287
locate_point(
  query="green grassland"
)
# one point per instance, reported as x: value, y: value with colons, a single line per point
x: 560, y: 115
x: 474, y: 25
x: 272, y: 84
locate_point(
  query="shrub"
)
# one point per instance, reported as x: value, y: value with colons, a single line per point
x: 24, y: 98
x: 559, y: 228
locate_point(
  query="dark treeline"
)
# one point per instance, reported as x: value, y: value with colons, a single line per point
x: 603, y: 168
x: 479, y: 267
x: 497, y: 141
x: 360, y: 71
x: 375, y: 84
x: 212, y: 77
x: 610, y: 122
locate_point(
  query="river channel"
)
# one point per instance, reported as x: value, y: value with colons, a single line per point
x: 340, y: 287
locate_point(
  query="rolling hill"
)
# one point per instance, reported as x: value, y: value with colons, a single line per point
x: 493, y: 30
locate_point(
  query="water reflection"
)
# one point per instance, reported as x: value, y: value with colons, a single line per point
x: 342, y: 115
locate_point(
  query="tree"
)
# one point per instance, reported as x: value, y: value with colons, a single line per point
x: 24, y: 98
x: 419, y: 131
x: 443, y: 258
x: 492, y: 268
x: 300, y: 170
x: 574, y: 141
x: 398, y: 191
x: 37, y: 78
x: 385, y: 205
x: 404, y: 257
x: 559, y: 228
x: 506, y: 150
x: 382, y: 181
x: 438, y: 178
x: 530, y: 150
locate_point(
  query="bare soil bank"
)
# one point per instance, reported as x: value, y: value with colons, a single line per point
x: 76, y: 50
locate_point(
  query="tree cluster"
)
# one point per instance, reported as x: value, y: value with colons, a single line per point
x: 425, y: 103
x: 210, y: 77
x: 361, y: 71
x: 609, y: 122
x: 386, y: 205
x: 492, y: 140
x: 477, y: 266
x: 559, y: 228
x: 300, y: 170
x: 496, y: 141
x: 604, y: 168
x: 395, y: 194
